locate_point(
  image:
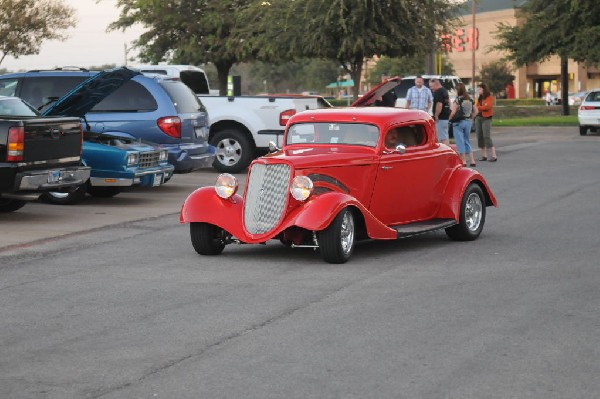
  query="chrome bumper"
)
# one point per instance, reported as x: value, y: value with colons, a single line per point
x: 52, y: 179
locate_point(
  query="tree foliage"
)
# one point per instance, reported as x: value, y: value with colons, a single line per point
x: 565, y: 28
x: 26, y: 24
x: 496, y: 75
x: 185, y: 31
x: 347, y: 31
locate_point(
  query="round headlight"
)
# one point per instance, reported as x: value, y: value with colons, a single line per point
x: 163, y: 156
x: 226, y: 185
x: 301, y: 188
x: 133, y: 158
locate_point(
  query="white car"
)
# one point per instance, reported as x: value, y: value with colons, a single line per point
x: 589, y: 113
x: 577, y: 98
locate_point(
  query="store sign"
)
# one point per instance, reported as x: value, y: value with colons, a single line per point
x: 461, y: 40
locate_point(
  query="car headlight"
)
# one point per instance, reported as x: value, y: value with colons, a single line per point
x: 226, y: 185
x: 163, y: 155
x: 133, y: 158
x: 301, y: 188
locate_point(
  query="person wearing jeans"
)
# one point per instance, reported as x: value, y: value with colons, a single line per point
x: 463, y: 108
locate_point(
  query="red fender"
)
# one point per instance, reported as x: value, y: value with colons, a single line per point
x: 204, y: 205
x: 458, y: 183
x: 319, y: 212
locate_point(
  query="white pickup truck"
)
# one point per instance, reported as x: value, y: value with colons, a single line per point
x: 240, y: 127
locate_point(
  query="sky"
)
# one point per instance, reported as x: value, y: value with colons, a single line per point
x: 88, y: 44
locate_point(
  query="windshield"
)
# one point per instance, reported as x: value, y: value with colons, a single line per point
x: 333, y: 133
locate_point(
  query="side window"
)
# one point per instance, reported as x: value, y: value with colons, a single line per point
x: 131, y: 97
x: 37, y: 91
x: 195, y: 80
x: 8, y: 87
x: 410, y: 136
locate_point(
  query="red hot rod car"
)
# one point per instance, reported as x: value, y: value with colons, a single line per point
x: 343, y: 175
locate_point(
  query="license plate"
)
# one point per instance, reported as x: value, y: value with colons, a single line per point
x: 54, y: 176
x: 157, y: 180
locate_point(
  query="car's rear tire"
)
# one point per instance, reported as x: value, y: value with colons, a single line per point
x: 103, y: 192
x: 11, y: 205
x: 68, y: 198
x: 234, y: 151
x: 472, y: 215
x: 207, y: 239
x: 336, y: 242
x: 583, y: 130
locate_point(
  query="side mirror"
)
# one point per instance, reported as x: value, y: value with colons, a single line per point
x: 401, y: 148
x: 273, y: 147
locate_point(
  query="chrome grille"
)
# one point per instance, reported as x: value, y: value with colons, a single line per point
x: 265, y: 197
x: 149, y: 159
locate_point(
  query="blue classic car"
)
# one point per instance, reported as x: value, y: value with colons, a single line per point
x: 117, y: 161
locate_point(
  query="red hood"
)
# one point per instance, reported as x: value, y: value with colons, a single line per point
x: 369, y: 98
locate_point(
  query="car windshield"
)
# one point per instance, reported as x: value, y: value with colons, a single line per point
x: 333, y: 133
x: 16, y: 107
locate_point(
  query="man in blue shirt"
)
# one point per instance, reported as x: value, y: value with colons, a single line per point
x: 419, y: 96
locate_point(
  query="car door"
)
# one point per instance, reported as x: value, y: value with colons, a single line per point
x: 408, y: 186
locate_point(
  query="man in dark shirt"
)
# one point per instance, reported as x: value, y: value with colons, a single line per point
x: 441, y: 110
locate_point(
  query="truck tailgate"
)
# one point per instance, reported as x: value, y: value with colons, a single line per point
x: 52, y: 139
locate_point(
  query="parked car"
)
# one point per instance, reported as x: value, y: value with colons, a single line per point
x: 577, y: 98
x: 37, y: 154
x: 117, y: 161
x: 589, y: 113
x: 336, y: 181
x: 241, y: 127
x: 157, y: 109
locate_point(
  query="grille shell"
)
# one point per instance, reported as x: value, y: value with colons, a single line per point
x: 266, y: 197
x: 149, y: 159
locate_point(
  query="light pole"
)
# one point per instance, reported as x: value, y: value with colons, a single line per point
x: 473, y: 12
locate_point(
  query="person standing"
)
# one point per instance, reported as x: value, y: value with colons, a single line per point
x: 441, y: 110
x: 419, y: 96
x: 483, y: 123
x: 463, y: 108
x: 548, y: 98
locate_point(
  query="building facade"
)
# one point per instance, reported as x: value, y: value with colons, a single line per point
x: 479, y: 38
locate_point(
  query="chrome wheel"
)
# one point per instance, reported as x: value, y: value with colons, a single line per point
x: 473, y: 212
x: 347, y: 233
x: 472, y: 215
x: 229, y: 152
x: 336, y: 242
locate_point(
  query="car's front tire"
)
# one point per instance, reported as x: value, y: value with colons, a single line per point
x: 207, y: 239
x: 472, y: 215
x: 583, y: 130
x: 68, y: 198
x: 11, y: 205
x: 336, y: 242
x: 234, y: 151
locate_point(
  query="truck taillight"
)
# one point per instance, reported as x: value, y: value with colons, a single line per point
x: 170, y: 125
x: 81, y: 148
x: 285, y: 116
x: 16, y: 144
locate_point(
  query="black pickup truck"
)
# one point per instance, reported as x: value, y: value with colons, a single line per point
x: 37, y: 154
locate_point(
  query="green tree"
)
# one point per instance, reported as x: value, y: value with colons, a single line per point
x: 26, y: 24
x: 347, y: 31
x: 186, y: 31
x: 565, y: 28
x: 497, y: 75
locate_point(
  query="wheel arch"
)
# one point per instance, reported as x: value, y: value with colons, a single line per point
x: 230, y: 124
